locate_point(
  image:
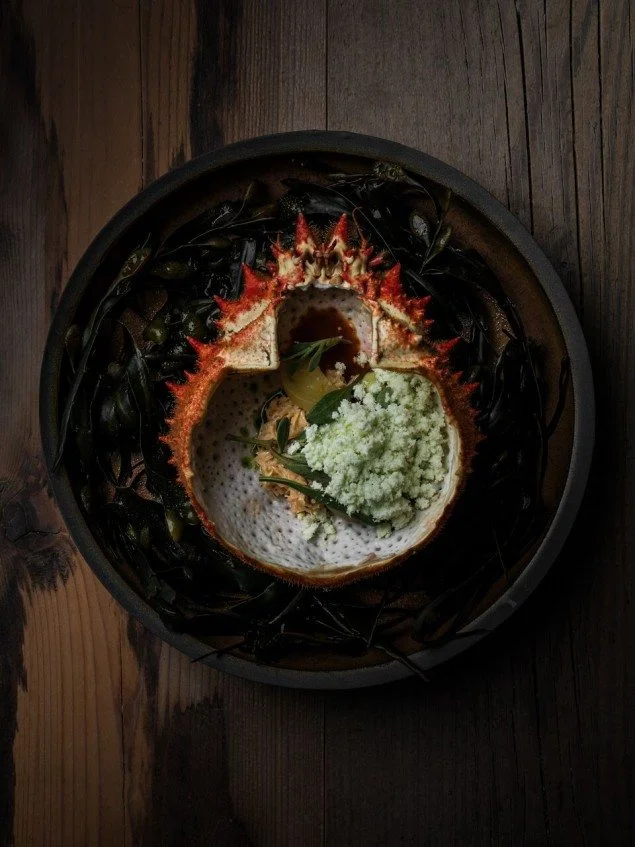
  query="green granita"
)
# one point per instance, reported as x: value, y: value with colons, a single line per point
x: 385, y: 452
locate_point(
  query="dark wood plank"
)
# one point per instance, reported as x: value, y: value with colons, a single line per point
x: 259, y: 68
x: 528, y: 740
x: 70, y: 98
x: 109, y: 736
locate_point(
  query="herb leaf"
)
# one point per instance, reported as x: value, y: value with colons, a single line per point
x: 322, y: 412
x: 296, y: 463
x: 320, y: 497
x: 311, y: 352
x: 282, y: 433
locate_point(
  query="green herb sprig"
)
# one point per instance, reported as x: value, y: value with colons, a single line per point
x: 320, y: 497
x: 310, y: 352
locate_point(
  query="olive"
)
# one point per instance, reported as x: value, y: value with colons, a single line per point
x: 156, y: 331
x: 174, y: 524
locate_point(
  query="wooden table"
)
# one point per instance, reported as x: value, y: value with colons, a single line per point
x: 108, y: 736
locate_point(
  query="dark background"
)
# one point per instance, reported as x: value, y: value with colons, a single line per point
x: 108, y: 736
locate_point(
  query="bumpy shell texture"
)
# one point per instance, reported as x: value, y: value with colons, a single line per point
x: 240, y: 369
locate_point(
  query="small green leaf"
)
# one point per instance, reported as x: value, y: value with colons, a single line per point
x: 135, y: 261
x: 320, y: 497
x: 298, y: 464
x: 300, y: 437
x: 315, y: 359
x: 156, y: 331
x: 322, y: 412
x: 282, y: 433
x: 311, y: 352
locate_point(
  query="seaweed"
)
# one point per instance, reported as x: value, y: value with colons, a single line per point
x: 117, y: 403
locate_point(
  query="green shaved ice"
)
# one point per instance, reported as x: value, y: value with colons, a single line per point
x: 385, y: 451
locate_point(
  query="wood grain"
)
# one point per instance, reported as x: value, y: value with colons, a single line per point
x: 107, y: 735
x: 519, y: 749
x: 62, y: 782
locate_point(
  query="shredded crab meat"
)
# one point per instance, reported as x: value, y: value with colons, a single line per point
x: 282, y: 407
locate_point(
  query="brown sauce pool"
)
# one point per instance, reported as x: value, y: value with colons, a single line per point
x: 317, y: 324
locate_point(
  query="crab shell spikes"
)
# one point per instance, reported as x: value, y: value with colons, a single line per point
x: 235, y: 374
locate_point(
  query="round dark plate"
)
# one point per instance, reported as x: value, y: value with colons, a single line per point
x: 480, y: 221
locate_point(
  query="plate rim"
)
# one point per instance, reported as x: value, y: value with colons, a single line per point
x: 370, y: 147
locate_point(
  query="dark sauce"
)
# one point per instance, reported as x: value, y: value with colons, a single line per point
x: 316, y: 324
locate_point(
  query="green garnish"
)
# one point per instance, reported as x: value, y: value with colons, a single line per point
x: 320, y: 497
x: 311, y: 352
x: 297, y: 463
x: 322, y: 412
x: 282, y: 433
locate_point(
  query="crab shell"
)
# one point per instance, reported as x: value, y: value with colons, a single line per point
x: 240, y: 369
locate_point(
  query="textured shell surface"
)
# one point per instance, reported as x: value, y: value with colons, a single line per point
x: 238, y: 371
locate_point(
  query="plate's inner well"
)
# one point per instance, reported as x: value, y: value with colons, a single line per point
x: 162, y: 291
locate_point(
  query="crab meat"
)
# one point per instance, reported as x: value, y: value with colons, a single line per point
x: 241, y: 368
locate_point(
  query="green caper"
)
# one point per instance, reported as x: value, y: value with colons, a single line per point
x: 189, y: 515
x: 156, y: 331
x: 174, y: 524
